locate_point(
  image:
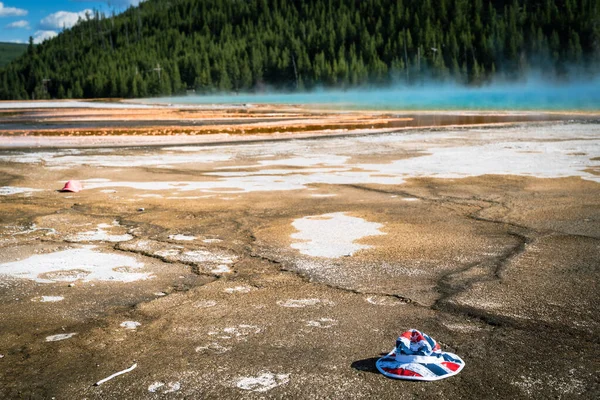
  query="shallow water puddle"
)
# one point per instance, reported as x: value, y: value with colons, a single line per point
x: 263, y: 382
x: 301, y: 303
x: 162, y: 387
x: 48, y: 299
x: 308, y: 160
x: 221, y: 269
x: 72, y: 265
x: 212, y: 348
x: 100, y: 235
x: 239, y: 332
x: 59, y: 337
x: 332, y: 235
x: 384, y: 301
x: 238, y: 289
x: 205, y: 303
x: 183, y: 238
x: 69, y: 159
x: 10, y: 190
x: 245, y: 182
x: 323, y: 323
x: 215, y: 262
x: 130, y: 325
x: 204, y: 256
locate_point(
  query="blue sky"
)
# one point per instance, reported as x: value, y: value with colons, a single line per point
x: 42, y: 19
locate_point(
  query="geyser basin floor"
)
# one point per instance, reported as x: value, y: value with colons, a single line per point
x: 498, y: 246
x: 65, y: 126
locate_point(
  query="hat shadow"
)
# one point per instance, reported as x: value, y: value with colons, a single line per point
x: 367, y: 365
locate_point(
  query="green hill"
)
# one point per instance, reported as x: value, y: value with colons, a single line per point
x: 10, y: 51
x: 162, y: 48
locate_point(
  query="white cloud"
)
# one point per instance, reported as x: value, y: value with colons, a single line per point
x: 41, y: 36
x: 11, y: 11
x: 18, y: 25
x: 63, y: 19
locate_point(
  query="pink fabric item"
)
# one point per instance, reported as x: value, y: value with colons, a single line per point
x: 72, y: 186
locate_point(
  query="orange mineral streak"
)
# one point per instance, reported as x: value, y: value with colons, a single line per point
x: 240, y: 121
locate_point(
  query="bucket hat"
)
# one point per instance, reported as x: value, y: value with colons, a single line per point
x: 72, y: 186
x: 420, y: 358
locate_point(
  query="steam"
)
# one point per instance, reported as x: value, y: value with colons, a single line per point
x: 531, y: 94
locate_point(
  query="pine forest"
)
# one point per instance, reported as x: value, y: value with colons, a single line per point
x: 166, y: 47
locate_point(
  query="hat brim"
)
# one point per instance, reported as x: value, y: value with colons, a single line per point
x: 420, y: 368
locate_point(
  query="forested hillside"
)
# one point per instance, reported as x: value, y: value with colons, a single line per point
x: 10, y: 51
x: 166, y: 47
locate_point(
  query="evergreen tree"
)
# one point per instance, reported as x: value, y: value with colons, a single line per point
x: 224, y: 45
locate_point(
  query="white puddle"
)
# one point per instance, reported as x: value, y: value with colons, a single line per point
x: 308, y: 160
x: 48, y: 299
x: 205, y: 303
x: 238, y: 289
x: 10, y: 190
x: 202, y: 256
x: 153, y: 388
x: 130, y: 325
x: 213, y: 348
x: 98, y: 235
x: 539, y: 159
x: 75, y: 158
x: 221, y: 269
x: 323, y: 323
x: 167, y: 253
x: 277, y: 172
x: 258, y: 183
x: 332, y: 235
x: 464, y: 328
x: 301, y: 303
x: 33, y: 228
x: 383, y: 301
x: 162, y: 387
x: 263, y: 382
x: 183, y: 238
x: 72, y: 265
x: 213, y: 262
x: 239, y: 332
x: 59, y: 337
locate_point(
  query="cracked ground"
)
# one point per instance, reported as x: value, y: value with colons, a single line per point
x: 211, y: 293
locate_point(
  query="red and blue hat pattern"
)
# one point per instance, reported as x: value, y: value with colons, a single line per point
x: 417, y: 356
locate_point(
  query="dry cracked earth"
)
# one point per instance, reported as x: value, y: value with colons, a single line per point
x: 285, y: 269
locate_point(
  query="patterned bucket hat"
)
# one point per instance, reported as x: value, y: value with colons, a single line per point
x: 418, y: 357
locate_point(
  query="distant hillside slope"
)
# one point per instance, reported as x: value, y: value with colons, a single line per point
x: 166, y: 47
x: 10, y: 51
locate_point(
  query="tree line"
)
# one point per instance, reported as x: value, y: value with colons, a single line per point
x: 170, y: 47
